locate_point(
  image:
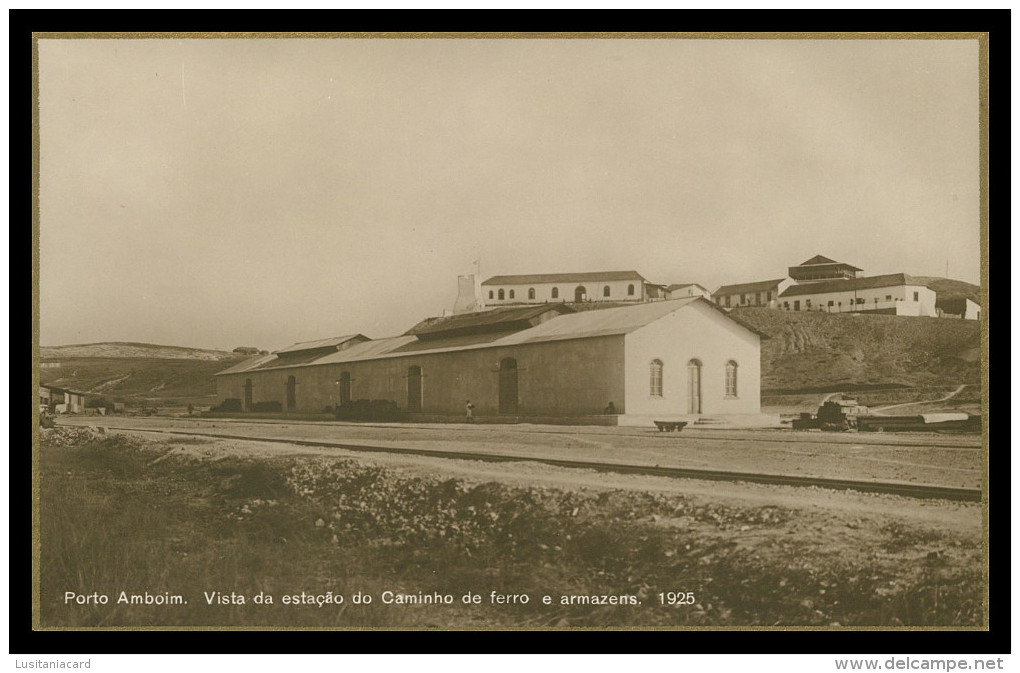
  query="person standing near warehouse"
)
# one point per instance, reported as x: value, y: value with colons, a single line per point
x: 469, y: 412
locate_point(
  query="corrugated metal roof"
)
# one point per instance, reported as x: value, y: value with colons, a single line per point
x: 55, y: 389
x: 450, y: 342
x: 367, y: 350
x: 496, y: 319
x: 321, y: 343
x: 581, y: 325
x: 849, y: 284
x: 295, y: 358
x: 250, y: 363
x: 598, y: 323
x: 586, y: 277
x: 819, y: 261
x: 759, y: 286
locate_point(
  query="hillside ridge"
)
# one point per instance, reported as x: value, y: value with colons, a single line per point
x: 809, y: 349
x: 131, y: 349
x: 806, y: 350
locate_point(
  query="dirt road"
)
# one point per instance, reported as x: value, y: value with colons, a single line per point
x: 953, y: 461
x: 951, y: 395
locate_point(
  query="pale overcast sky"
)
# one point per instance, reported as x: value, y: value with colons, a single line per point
x: 217, y: 193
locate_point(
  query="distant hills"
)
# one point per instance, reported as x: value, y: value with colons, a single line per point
x: 137, y: 373
x: 805, y: 350
x: 130, y: 349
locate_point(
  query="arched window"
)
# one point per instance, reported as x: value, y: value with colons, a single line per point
x: 655, y: 378
x: 531, y: 293
x: 490, y: 294
x: 630, y: 290
x: 511, y: 294
x: 605, y: 291
x: 731, y: 379
x: 501, y: 293
x: 556, y: 293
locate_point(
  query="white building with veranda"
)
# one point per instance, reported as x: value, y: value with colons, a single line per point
x: 893, y: 294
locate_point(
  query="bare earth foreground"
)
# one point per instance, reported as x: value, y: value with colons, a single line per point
x: 177, y: 530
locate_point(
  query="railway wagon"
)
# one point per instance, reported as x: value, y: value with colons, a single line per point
x: 944, y: 422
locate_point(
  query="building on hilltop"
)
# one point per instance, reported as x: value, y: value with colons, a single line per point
x: 760, y: 293
x: 766, y: 292
x: 665, y: 359
x: 681, y: 290
x: 613, y: 286
x: 894, y: 294
x: 822, y: 268
x: 823, y: 284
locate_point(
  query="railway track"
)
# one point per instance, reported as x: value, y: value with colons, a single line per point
x: 789, y: 436
x: 924, y: 491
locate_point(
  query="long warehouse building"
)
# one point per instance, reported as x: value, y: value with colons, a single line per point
x: 673, y: 358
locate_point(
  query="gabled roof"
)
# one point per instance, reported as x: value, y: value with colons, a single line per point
x: 321, y: 343
x: 612, y: 321
x: 680, y: 286
x: 586, y: 277
x: 449, y: 342
x: 250, y: 363
x: 607, y: 322
x: 849, y: 284
x: 740, y: 288
x: 369, y: 350
x: 493, y: 320
x: 818, y: 259
x: 580, y: 325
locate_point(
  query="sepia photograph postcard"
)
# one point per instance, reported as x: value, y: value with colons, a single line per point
x: 510, y: 331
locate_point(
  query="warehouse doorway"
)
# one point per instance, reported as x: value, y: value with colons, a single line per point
x: 344, y: 384
x: 291, y: 393
x: 414, y: 388
x: 508, y: 401
x: 580, y: 293
x: 247, y: 394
